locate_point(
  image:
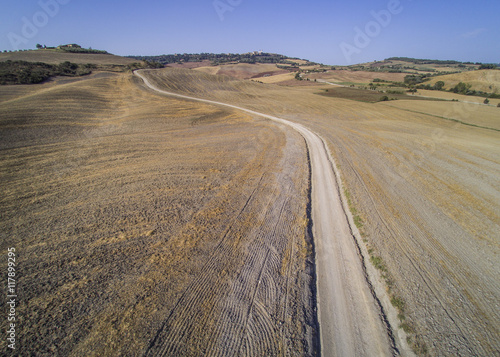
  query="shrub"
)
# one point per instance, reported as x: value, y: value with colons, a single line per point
x: 384, y: 98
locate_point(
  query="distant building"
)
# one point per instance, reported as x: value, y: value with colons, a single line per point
x: 71, y: 45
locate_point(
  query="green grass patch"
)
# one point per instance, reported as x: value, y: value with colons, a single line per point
x: 398, y: 303
x: 378, y: 263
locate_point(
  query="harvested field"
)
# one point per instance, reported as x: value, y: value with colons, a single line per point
x: 471, y: 114
x: 484, y: 80
x: 346, y: 76
x: 364, y: 95
x: 455, y: 97
x: 278, y: 78
x: 427, y: 197
x: 243, y: 70
x: 146, y: 225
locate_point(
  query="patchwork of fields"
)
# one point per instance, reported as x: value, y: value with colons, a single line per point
x: 425, y: 189
x: 151, y: 225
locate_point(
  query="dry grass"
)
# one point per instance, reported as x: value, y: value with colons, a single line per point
x: 277, y: 78
x: 120, y: 200
x: 347, y: 76
x: 242, y: 70
x: 466, y: 113
x: 484, y: 80
x: 145, y: 223
x: 427, y: 190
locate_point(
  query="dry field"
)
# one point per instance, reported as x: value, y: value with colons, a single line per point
x: 290, y: 76
x: 347, y: 76
x: 468, y: 113
x: 243, y: 70
x: 146, y: 225
x: 483, y: 80
x: 56, y: 57
x: 455, y: 97
x: 427, y: 197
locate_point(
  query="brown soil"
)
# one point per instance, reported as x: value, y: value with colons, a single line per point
x: 146, y: 225
x: 426, y: 193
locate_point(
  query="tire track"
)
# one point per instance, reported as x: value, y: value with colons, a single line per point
x: 349, y: 316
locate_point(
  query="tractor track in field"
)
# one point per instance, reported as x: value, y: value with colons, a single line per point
x: 351, y: 321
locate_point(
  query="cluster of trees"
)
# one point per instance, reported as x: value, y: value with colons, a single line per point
x: 465, y: 88
x: 422, y: 61
x: 489, y: 66
x: 217, y: 58
x: 72, y: 48
x: 22, y: 72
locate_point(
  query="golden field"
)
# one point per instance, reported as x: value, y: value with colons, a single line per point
x: 146, y: 225
x: 426, y: 193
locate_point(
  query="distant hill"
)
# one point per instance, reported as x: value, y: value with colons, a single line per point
x: 36, y: 66
x: 415, y: 65
x: 56, y: 56
x: 221, y: 58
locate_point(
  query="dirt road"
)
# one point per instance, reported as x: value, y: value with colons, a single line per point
x: 351, y: 322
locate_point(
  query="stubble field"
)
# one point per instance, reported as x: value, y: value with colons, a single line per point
x: 427, y: 198
x: 146, y: 225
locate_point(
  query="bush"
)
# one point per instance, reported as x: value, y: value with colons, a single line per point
x: 384, y: 98
x: 22, y: 72
x: 486, y: 101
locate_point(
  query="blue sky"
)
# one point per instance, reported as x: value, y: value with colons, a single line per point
x: 331, y: 32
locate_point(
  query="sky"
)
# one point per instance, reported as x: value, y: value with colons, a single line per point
x: 327, y: 31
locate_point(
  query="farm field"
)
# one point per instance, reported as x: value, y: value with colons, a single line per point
x: 151, y: 225
x: 348, y: 76
x: 471, y: 114
x: 146, y: 225
x: 243, y: 70
x: 426, y: 194
x: 484, y: 80
x: 454, y: 96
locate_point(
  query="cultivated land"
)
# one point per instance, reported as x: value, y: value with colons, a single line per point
x: 150, y: 225
x: 146, y: 225
x: 426, y: 190
x: 348, y: 313
x: 484, y: 80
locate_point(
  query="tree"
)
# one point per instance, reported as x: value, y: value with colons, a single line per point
x: 461, y: 88
x: 298, y: 77
x: 39, y: 46
x: 486, y: 101
x: 439, y: 85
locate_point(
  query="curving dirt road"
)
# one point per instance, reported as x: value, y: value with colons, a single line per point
x: 351, y: 321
